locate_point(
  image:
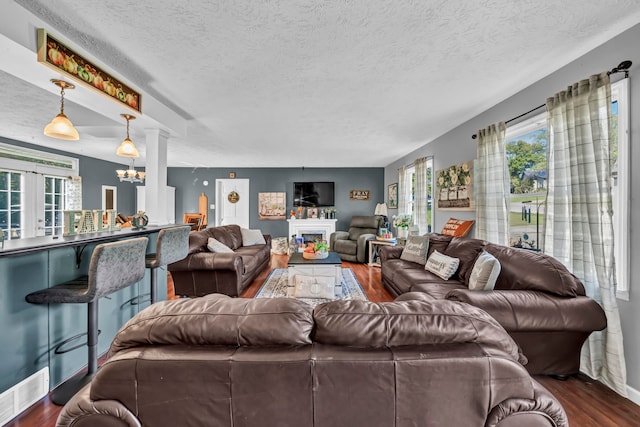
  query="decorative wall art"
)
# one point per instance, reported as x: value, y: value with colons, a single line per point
x: 392, y: 196
x: 312, y: 213
x: 454, y: 187
x: 62, y: 59
x: 359, y: 194
x: 272, y: 205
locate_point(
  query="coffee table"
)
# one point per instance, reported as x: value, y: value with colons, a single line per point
x: 331, y: 266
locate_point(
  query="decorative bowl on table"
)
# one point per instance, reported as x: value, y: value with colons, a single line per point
x: 315, y: 255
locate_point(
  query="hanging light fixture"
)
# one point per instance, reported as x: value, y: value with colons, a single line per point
x: 61, y: 127
x: 131, y: 174
x: 127, y: 148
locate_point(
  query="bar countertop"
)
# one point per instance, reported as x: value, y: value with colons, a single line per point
x: 44, y: 243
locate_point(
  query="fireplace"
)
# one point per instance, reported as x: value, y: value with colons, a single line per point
x: 311, y: 229
x: 312, y: 237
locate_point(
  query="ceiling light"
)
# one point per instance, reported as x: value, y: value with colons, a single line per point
x: 61, y: 127
x: 127, y: 148
x: 131, y: 174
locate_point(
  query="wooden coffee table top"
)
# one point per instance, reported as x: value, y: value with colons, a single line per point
x: 297, y: 259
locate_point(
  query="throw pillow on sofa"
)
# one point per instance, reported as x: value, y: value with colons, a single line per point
x: 415, y: 249
x: 441, y: 265
x: 215, y: 245
x: 457, y: 227
x: 252, y: 237
x: 485, y: 272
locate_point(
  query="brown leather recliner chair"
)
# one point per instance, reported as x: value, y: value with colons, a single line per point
x: 352, y: 245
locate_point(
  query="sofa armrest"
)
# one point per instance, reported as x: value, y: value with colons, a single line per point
x: 209, y: 261
x: 267, y: 239
x: 81, y: 411
x: 535, y: 311
x: 544, y: 406
x: 362, y: 252
x: 337, y: 235
x: 390, y: 252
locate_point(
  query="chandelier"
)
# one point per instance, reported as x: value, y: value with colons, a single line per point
x: 131, y: 174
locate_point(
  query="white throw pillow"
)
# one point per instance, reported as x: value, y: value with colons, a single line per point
x: 252, y: 237
x: 485, y: 272
x: 415, y: 250
x: 441, y: 265
x: 215, y: 245
x: 314, y: 287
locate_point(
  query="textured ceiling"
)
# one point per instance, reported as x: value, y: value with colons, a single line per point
x: 310, y: 83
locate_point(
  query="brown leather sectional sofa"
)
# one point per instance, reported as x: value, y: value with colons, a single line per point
x: 220, y: 361
x: 204, y: 272
x: 536, y: 299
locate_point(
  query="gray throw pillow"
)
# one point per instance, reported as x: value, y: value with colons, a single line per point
x: 215, y: 245
x: 485, y: 272
x: 441, y: 265
x: 252, y: 237
x: 415, y: 250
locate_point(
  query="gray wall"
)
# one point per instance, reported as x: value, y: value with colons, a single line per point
x: 189, y: 186
x: 457, y: 145
x: 95, y: 173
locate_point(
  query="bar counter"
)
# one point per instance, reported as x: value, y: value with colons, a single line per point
x: 31, y: 332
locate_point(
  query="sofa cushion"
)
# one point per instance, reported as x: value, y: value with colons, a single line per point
x: 437, y: 289
x: 466, y: 250
x: 215, y: 246
x: 217, y: 319
x: 414, y: 322
x: 457, y: 227
x: 528, y: 270
x: 252, y: 237
x: 438, y: 242
x: 230, y: 235
x: 484, y: 273
x: 415, y: 250
x: 441, y: 265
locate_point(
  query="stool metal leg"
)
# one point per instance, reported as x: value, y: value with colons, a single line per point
x: 66, y: 390
x: 154, y: 288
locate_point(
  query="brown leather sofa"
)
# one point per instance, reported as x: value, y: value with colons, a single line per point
x: 220, y: 361
x: 536, y: 299
x: 204, y: 272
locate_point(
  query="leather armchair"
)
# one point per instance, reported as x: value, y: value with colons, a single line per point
x: 352, y: 245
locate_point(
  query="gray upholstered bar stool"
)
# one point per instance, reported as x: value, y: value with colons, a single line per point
x: 172, y: 245
x: 113, y: 266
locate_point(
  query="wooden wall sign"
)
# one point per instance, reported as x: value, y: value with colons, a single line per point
x: 359, y: 194
x: 61, y: 58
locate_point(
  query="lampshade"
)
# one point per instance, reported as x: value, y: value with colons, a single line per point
x: 127, y: 148
x: 381, y: 209
x: 61, y: 127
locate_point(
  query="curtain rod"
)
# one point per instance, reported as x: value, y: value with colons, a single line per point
x: 623, y: 67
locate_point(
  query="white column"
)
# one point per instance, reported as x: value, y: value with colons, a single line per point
x: 156, y: 180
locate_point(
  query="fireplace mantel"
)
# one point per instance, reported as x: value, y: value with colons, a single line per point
x: 312, y: 226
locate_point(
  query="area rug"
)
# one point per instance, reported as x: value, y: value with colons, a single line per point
x: 277, y: 286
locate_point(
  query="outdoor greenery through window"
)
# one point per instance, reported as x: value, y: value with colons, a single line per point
x: 526, y: 150
x: 11, y: 204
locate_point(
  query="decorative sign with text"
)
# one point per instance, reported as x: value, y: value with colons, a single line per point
x: 88, y: 221
x: 359, y: 194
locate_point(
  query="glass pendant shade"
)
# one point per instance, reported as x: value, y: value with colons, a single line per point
x: 61, y: 127
x: 127, y: 149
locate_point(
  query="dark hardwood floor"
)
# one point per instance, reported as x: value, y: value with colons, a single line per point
x: 588, y: 403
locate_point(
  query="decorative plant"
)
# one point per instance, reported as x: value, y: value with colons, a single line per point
x: 402, y: 220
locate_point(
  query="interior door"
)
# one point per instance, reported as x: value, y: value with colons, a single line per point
x: 232, y: 202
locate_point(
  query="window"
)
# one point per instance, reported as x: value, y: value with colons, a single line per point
x: 33, y: 191
x: 526, y: 145
x: 413, y: 198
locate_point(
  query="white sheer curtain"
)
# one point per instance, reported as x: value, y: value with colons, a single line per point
x: 420, y: 217
x: 492, y: 186
x: 578, y: 226
x: 404, y: 186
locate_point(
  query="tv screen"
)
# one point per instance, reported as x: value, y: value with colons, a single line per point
x: 313, y: 194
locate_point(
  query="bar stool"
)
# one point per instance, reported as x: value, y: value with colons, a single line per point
x: 172, y: 245
x: 113, y: 266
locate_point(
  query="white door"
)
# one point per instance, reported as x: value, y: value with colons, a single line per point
x: 232, y: 202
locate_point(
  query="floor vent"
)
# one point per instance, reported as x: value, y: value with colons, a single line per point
x: 24, y: 394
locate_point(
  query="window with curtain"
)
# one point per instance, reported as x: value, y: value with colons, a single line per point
x: 418, y: 193
x: 526, y: 144
x: 35, y: 187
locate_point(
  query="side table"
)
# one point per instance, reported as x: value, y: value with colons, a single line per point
x: 374, y: 245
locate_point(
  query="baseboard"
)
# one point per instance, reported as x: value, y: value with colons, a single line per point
x: 633, y: 394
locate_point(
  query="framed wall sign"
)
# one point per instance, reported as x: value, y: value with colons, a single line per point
x: 359, y: 194
x: 272, y: 205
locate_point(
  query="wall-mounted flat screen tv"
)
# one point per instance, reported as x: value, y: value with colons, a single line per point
x: 313, y: 194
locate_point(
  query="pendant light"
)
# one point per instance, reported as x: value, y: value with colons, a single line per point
x: 127, y: 148
x: 61, y: 127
